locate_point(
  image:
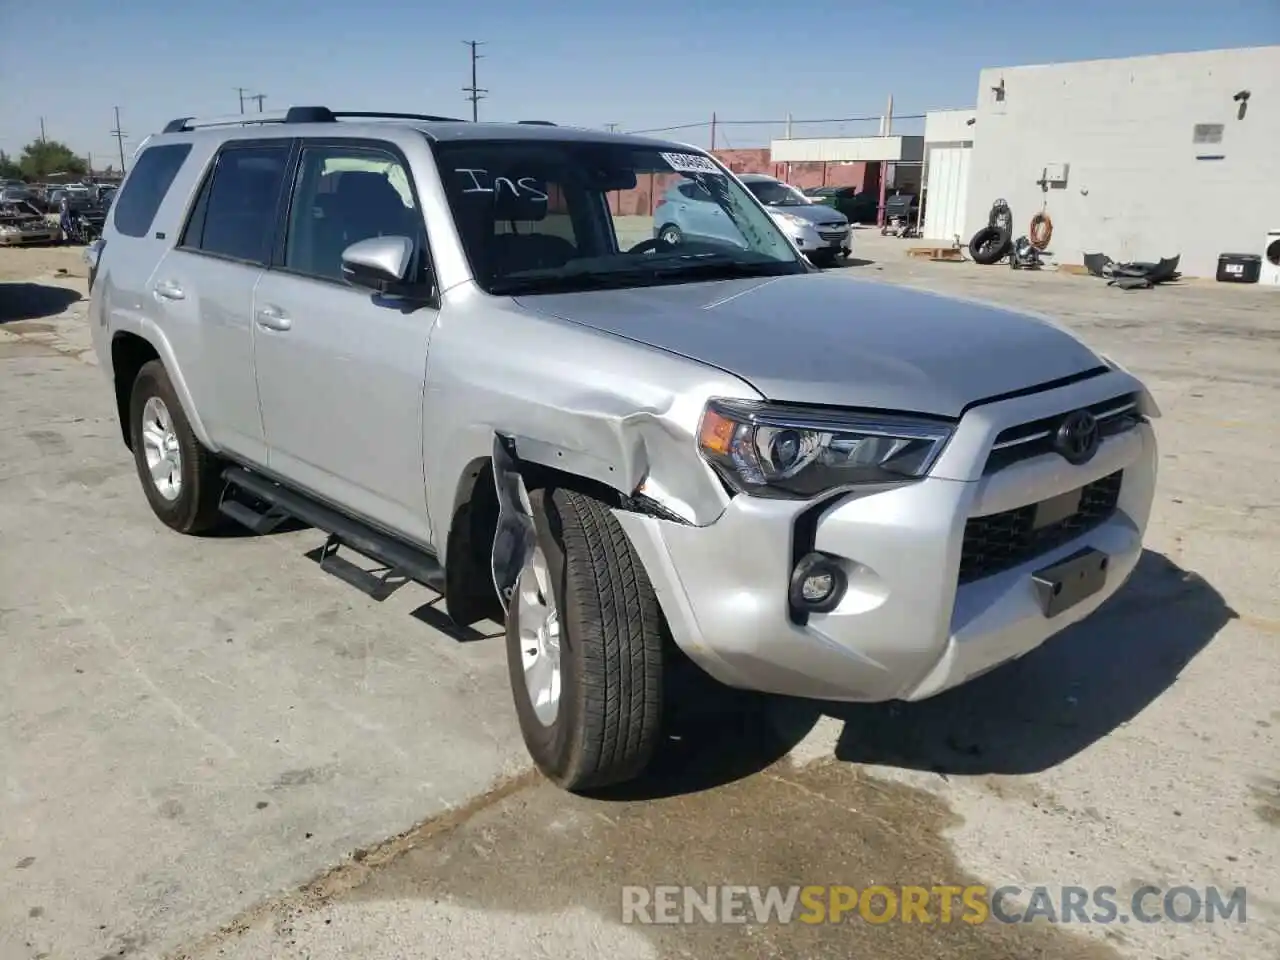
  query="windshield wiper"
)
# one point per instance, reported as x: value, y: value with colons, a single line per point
x: 718, y: 266
x: 662, y: 269
x: 561, y: 282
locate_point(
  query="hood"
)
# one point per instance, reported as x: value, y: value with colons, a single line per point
x: 813, y: 212
x: 818, y: 339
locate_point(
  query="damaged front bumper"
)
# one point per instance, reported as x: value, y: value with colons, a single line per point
x: 913, y: 620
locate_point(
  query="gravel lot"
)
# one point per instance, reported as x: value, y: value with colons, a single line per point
x: 210, y: 749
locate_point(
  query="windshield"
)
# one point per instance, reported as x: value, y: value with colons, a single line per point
x: 550, y: 216
x: 776, y: 194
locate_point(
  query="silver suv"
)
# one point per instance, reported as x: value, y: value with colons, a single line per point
x: 425, y: 338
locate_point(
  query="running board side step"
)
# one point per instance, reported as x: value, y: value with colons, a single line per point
x: 399, y: 557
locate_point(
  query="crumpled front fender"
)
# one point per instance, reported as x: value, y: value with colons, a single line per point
x: 515, y: 537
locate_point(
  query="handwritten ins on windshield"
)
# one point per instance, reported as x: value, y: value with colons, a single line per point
x: 522, y: 188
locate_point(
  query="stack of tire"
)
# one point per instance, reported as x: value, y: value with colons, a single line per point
x: 991, y: 244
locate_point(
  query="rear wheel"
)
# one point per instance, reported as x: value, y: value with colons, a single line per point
x: 180, y: 478
x: 584, y: 646
x: 671, y: 235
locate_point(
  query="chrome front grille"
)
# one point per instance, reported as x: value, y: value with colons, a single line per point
x: 1027, y: 440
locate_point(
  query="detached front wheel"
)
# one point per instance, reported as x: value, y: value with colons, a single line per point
x: 584, y: 646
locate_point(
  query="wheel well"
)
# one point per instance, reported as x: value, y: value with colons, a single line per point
x: 129, y: 353
x: 468, y: 559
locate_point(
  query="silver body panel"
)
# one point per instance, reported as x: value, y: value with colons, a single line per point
x: 390, y: 412
x: 905, y: 630
x: 819, y: 339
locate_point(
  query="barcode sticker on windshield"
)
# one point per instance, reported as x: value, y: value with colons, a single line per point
x: 690, y: 163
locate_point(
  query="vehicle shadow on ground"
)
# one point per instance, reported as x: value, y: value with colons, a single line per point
x: 228, y: 529
x: 31, y: 301
x: 851, y: 262
x: 1039, y: 711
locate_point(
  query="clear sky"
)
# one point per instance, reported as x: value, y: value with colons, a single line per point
x: 583, y: 62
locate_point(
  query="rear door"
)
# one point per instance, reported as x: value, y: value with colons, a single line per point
x: 164, y: 175
x: 341, y: 370
x: 706, y: 217
x: 204, y: 287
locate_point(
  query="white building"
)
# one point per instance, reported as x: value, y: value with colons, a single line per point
x: 1137, y: 158
x: 948, y: 155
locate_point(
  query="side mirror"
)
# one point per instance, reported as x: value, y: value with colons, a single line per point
x: 379, y: 263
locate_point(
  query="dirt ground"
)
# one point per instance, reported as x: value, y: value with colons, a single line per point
x: 27, y: 263
x: 211, y: 750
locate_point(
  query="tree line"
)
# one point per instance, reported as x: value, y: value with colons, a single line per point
x: 40, y: 159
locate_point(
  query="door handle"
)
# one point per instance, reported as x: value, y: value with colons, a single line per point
x: 168, y: 290
x: 273, y: 318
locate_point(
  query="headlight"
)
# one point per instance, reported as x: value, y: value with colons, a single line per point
x: 785, y: 452
x: 792, y: 219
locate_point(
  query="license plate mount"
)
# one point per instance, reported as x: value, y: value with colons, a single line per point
x: 1062, y: 585
x: 1056, y: 509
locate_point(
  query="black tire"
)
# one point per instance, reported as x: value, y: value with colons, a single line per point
x: 671, y: 235
x: 989, y: 245
x: 611, y: 649
x: 195, y: 509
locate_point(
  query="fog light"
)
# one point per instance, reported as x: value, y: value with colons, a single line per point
x: 818, y: 584
x: 817, y: 587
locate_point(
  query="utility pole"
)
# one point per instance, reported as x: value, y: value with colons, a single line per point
x: 476, y: 94
x: 787, y: 136
x: 259, y: 97
x: 241, y: 92
x: 42, y: 129
x: 119, y: 135
x: 611, y: 127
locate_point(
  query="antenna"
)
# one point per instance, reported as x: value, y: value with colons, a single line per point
x: 476, y: 93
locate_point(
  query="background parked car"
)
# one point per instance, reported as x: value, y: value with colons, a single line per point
x: 818, y: 230
x: 22, y: 224
x: 688, y: 210
x: 16, y: 193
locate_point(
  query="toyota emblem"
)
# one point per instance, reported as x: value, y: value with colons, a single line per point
x: 1077, y: 437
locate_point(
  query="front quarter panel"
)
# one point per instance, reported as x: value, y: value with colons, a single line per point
x: 580, y: 401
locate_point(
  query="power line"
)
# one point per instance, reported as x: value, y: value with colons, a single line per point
x: 682, y: 126
x: 119, y: 135
x: 475, y: 93
x: 739, y: 123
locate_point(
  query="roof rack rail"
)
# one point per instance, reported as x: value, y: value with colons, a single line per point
x: 297, y: 115
x: 537, y: 123
x: 183, y: 124
x: 382, y: 114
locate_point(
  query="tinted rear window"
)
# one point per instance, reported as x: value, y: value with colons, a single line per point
x: 140, y: 198
x: 235, y: 216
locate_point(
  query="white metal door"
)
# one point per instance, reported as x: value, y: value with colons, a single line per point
x: 946, y: 192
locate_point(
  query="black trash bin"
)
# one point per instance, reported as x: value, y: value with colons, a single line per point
x: 1239, y: 267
